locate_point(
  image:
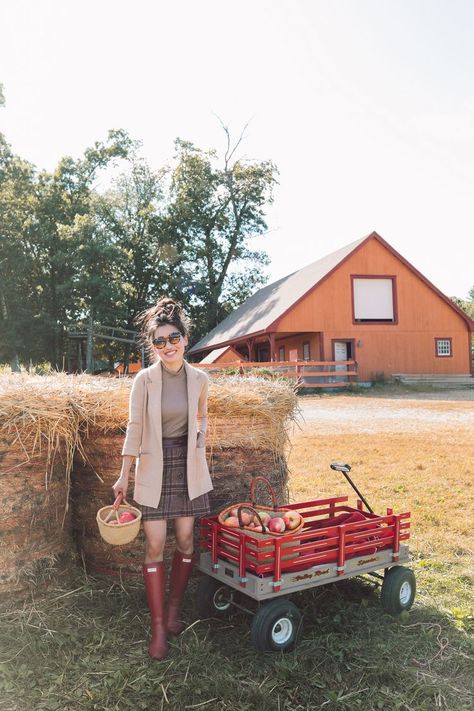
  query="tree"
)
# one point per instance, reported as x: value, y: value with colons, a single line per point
x: 61, y: 198
x: 214, y: 210
x: 126, y: 256
x: 68, y: 252
x: 18, y: 295
x: 466, y: 305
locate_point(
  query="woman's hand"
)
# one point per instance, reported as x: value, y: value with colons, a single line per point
x: 121, y: 486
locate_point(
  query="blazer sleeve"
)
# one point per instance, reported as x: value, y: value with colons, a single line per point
x: 202, y: 411
x: 133, y: 436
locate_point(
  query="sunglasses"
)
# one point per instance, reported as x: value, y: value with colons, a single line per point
x: 173, y: 339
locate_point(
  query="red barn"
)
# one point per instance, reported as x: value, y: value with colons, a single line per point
x: 364, y: 302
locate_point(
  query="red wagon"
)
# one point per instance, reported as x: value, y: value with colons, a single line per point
x: 336, y: 542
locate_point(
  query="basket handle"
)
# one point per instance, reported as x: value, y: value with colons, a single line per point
x: 254, y: 511
x: 115, y: 507
x: 272, y: 491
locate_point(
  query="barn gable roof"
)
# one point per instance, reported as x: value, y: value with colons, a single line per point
x: 261, y: 310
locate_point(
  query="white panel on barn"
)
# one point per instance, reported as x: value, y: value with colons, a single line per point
x: 373, y: 299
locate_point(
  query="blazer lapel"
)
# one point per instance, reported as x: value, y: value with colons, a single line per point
x: 193, y: 397
x: 154, y: 388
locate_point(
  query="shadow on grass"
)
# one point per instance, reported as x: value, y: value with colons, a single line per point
x: 83, y: 647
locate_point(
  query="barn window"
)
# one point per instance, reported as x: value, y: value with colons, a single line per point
x: 281, y: 353
x: 374, y: 299
x: 306, y: 351
x: 443, y: 347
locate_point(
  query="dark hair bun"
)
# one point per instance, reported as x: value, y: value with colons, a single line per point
x: 166, y: 311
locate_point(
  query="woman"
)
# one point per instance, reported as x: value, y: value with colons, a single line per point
x: 166, y: 433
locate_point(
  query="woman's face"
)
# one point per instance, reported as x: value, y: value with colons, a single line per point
x: 170, y: 353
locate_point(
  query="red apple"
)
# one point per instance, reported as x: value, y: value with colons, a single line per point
x: 292, y: 519
x: 126, y: 517
x: 234, y: 511
x: 276, y: 524
x: 246, y: 517
x: 264, y: 516
x: 232, y: 521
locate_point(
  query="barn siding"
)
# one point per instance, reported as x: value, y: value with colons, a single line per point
x: 405, y: 347
x: 291, y: 342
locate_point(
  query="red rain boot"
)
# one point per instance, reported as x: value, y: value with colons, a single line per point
x: 180, y: 574
x: 154, y: 577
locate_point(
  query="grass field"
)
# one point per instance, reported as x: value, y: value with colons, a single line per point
x: 81, y: 646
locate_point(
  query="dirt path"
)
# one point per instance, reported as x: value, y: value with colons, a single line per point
x: 412, y: 412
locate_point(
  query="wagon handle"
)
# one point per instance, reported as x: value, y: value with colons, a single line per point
x: 254, y: 511
x: 345, y: 469
x: 272, y: 491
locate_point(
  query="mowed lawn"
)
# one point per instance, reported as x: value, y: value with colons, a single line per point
x: 82, y: 645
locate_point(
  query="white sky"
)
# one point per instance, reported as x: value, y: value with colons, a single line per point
x: 366, y: 106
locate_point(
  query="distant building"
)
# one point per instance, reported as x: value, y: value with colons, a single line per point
x: 364, y: 302
x: 133, y: 368
x: 221, y: 356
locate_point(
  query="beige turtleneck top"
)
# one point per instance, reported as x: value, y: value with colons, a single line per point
x: 174, y: 402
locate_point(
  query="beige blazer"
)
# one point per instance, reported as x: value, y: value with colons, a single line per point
x: 143, y: 438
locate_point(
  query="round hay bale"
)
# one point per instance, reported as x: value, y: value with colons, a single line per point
x: 247, y: 436
x: 37, y: 435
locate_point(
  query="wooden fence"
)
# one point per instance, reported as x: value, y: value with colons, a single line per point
x: 306, y: 373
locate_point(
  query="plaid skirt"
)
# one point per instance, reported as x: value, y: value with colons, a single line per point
x: 175, y: 501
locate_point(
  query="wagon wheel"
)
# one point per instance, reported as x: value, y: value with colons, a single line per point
x: 398, y: 589
x: 213, y: 598
x: 276, y: 626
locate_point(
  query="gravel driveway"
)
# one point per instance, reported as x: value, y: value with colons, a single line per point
x: 406, y: 412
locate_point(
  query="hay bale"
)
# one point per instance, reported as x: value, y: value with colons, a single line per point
x: 38, y: 431
x: 247, y: 436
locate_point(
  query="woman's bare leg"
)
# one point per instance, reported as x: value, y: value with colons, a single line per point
x: 155, y: 535
x: 184, y: 529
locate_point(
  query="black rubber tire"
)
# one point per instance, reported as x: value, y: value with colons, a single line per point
x: 398, y: 590
x: 212, y: 597
x: 276, y: 626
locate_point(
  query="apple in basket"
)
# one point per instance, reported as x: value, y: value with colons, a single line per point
x: 246, y: 517
x: 264, y: 518
x: 276, y: 524
x: 292, y: 519
x: 126, y: 517
x: 232, y: 522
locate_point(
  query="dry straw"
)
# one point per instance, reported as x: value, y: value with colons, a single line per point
x: 250, y: 411
x: 38, y: 434
x: 243, y: 411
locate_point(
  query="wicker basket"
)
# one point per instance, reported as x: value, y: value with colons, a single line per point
x: 118, y: 534
x: 256, y: 509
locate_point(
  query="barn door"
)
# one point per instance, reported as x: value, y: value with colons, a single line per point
x: 341, y: 353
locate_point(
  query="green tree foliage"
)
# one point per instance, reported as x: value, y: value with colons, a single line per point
x: 18, y: 293
x: 126, y: 258
x: 215, y: 208
x: 62, y: 198
x: 466, y: 305
x: 69, y: 252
